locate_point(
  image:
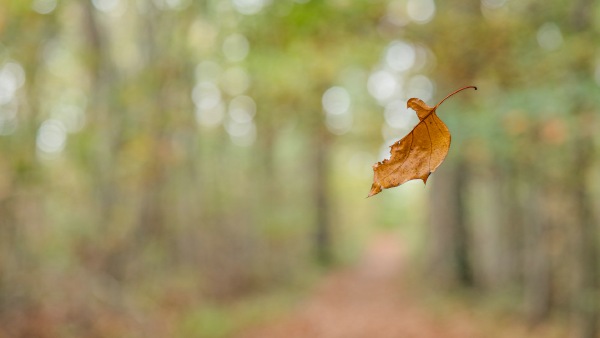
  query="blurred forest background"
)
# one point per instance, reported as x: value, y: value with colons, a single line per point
x: 164, y: 160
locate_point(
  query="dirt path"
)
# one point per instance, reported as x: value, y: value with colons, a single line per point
x: 373, y: 300
x: 367, y: 300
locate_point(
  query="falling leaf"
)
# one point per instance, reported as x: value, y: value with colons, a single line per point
x: 417, y: 154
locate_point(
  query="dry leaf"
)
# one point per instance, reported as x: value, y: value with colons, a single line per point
x: 417, y: 154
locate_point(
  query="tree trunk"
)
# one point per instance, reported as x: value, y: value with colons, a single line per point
x: 587, y: 299
x: 450, y: 248
x: 464, y: 270
x: 537, y: 260
x: 321, y: 190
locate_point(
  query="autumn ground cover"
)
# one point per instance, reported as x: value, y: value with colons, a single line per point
x: 376, y: 298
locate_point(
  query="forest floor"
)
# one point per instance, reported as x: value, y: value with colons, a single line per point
x: 375, y: 299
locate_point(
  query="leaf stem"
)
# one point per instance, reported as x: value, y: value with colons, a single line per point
x: 454, y: 92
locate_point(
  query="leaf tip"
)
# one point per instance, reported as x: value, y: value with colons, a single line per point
x: 375, y: 189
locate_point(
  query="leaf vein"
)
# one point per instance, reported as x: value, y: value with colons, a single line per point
x: 440, y: 128
x: 430, y: 148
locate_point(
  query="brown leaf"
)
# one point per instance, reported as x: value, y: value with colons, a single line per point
x: 417, y: 154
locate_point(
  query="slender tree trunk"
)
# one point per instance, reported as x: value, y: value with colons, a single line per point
x: 511, y: 227
x: 464, y: 270
x: 103, y: 76
x: 450, y: 247
x: 108, y: 122
x: 8, y: 239
x: 537, y: 264
x: 588, y: 297
x: 323, y: 223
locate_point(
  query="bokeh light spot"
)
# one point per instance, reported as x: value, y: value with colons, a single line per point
x: 107, y: 6
x: 549, y: 36
x: 339, y: 124
x: 396, y: 13
x: 420, y: 11
x: 242, y: 134
x: 210, y: 117
x: 43, y: 6
x: 206, y: 95
x: 236, y: 47
x: 209, y: 106
x: 16, y: 71
x: 400, y: 56
x: 8, y: 87
x: 235, y: 81
x: 8, y: 117
x: 336, y: 101
x: 420, y: 86
x: 391, y: 134
x: 249, y: 7
x: 71, y: 116
x: 493, y: 4
x: 51, y: 137
x: 172, y: 4
x: 242, y: 109
x: 382, y: 85
x: 397, y: 115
